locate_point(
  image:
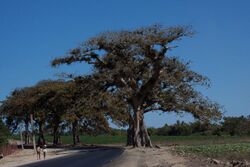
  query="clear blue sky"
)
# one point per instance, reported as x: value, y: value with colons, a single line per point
x: 32, y: 33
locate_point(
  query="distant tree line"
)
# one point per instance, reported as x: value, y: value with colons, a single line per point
x: 229, y: 126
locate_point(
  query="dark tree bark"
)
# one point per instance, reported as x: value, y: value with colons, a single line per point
x: 139, y: 132
x: 59, y: 139
x: 130, y: 134
x: 74, y: 132
x: 78, y: 138
x: 55, y: 134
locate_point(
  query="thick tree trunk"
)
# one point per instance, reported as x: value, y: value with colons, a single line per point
x: 137, y: 134
x: 139, y: 131
x: 142, y: 140
x: 137, y: 139
x: 147, y: 140
x: 141, y: 137
x: 26, y: 137
x: 130, y: 135
x: 76, y: 138
x: 59, y: 139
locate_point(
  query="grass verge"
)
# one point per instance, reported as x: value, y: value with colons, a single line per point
x: 237, y: 151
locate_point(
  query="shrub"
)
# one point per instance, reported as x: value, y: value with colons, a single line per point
x: 4, y: 133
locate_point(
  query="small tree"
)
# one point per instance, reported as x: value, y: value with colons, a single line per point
x: 132, y: 67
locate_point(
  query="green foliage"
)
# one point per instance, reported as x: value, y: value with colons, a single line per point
x: 163, y: 140
x: 100, y: 139
x: 54, y: 104
x: 236, y: 125
x: 118, y: 132
x: 152, y: 131
x: 4, y: 133
x: 133, y: 67
x: 217, y: 150
x: 180, y: 129
x: 229, y: 126
x: 184, y: 129
x: 163, y: 131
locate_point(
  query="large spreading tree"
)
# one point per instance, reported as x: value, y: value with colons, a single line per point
x: 132, y: 71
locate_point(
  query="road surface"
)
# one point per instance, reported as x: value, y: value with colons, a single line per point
x: 89, y: 158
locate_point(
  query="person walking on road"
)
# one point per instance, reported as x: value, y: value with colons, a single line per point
x: 38, y: 152
x: 44, y: 151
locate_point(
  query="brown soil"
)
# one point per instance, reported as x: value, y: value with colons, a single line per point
x: 163, y: 157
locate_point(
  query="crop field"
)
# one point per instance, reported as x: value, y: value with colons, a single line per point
x: 199, y: 140
x: 224, y: 148
x: 100, y: 139
x: 162, y: 140
x: 237, y: 151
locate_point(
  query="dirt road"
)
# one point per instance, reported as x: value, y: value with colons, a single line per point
x: 147, y: 158
x: 162, y: 157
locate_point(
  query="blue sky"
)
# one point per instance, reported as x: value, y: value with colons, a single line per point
x: 32, y: 33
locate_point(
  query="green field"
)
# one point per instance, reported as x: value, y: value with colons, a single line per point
x: 222, y: 147
x: 100, y: 139
x: 237, y: 151
x: 199, y: 140
x: 162, y: 140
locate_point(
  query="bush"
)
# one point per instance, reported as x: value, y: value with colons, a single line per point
x: 236, y: 125
x: 4, y: 133
x: 152, y: 131
x: 118, y: 132
x: 180, y: 129
x: 163, y: 131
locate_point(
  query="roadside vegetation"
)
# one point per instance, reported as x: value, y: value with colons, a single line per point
x: 233, y: 126
x: 4, y: 133
x: 229, y: 151
x: 180, y: 133
x: 6, y: 147
x: 158, y: 140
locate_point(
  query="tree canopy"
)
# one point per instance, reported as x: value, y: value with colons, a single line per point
x: 54, y: 104
x: 132, y: 72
